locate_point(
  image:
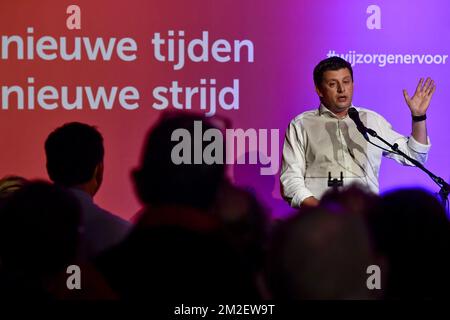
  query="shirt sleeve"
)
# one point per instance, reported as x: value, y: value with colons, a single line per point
x: 408, y: 145
x: 292, y: 177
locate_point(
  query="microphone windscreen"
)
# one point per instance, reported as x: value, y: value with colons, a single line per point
x: 352, y: 113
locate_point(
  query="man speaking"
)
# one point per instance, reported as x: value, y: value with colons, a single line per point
x: 325, y: 142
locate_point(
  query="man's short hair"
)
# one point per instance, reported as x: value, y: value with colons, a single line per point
x: 73, y: 152
x: 332, y: 63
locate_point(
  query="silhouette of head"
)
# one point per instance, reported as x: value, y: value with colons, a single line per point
x: 320, y: 255
x: 159, y: 181
x: 39, y: 229
x: 9, y: 185
x: 412, y: 232
x: 75, y: 155
x: 355, y: 198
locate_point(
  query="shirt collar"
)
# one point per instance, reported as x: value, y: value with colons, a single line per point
x: 80, y: 194
x: 325, y: 111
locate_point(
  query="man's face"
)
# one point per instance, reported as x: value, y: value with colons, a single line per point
x: 336, y: 90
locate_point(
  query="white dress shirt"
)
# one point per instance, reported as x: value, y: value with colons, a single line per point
x: 318, y: 142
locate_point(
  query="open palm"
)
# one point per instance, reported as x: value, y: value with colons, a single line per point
x: 420, y: 101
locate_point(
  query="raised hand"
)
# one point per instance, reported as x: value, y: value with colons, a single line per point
x: 420, y: 101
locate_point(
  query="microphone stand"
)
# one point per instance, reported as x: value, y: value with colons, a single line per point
x: 445, y: 187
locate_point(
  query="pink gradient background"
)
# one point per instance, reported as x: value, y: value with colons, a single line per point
x: 289, y: 36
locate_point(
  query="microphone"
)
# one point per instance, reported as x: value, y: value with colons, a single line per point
x: 354, y: 115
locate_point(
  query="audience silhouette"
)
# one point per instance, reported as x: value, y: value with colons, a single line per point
x: 75, y: 160
x: 199, y: 237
